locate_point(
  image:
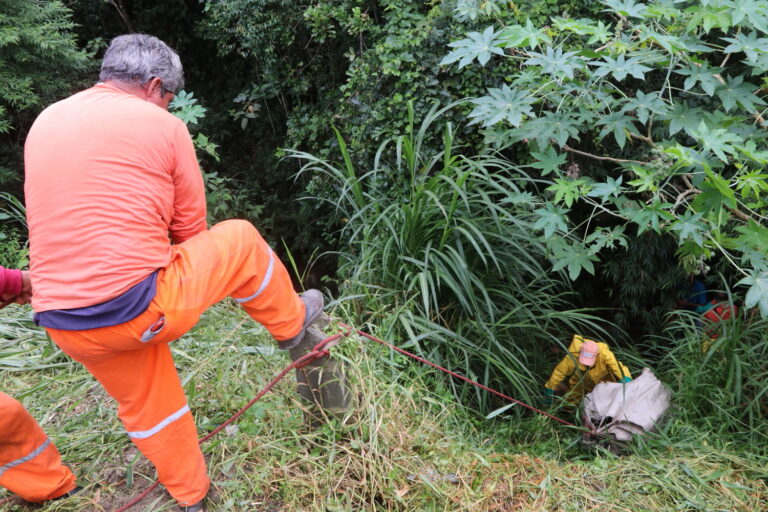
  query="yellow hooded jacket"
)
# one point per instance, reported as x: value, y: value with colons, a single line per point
x: 584, y: 379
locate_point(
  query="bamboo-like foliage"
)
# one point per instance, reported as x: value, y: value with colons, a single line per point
x: 720, y: 380
x: 442, y: 248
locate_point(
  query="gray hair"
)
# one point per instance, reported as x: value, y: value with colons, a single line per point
x: 138, y: 58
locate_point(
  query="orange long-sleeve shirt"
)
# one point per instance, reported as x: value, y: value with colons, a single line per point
x: 108, y: 178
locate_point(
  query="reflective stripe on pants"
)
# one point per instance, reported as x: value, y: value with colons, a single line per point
x: 133, y: 360
x: 30, y: 465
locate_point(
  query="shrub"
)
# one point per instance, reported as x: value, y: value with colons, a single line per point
x: 439, y: 249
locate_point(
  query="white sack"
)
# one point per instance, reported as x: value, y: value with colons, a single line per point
x: 623, y: 410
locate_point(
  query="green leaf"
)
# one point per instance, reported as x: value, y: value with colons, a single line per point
x: 756, y: 12
x: 184, y: 106
x: 753, y: 183
x: 567, y: 190
x: 474, y: 46
x: 750, y: 150
x: 753, y: 237
x: 645, y: 105
x: 736, y: 91
x: 600, y: 33
x: 703, y: 74
x: 650, y: 216
x: 611, y: 188
x: 555, y: 126
x: 619, y: 125
x: 646, y: 181
x: 750, y: 44
x: 503, y: 104
x: 620, y: 67
x: 689, y: 227
x: 715, y: 194
x: 548, y: 160
x: 627, y: 8
x: 719, y: 141
x: 757, y: 295
x: 604, y: 238
x: 555, y: 62
x: 576, y: 257
x: 681, y: 117
x: 551, y: 219
x: 708, y: 17
x: 582, y: 27
x: 528, y: 36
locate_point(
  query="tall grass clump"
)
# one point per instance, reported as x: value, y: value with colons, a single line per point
x: 440, y: 249
x: 721, y: 381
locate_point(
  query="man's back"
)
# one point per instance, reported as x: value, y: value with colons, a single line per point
x: 108, y: 175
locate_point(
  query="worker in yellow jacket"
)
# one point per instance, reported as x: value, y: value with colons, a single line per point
x: 587, y: 363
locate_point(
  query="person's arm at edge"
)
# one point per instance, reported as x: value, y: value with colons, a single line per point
x: 22, y: 295
x: 189, y: 208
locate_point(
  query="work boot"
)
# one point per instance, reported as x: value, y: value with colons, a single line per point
x: 197, y: 507
x: 313, y: 301
x: 68, y: 494
x: 322, y: 383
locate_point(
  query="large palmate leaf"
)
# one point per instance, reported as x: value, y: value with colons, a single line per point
x: 528, y: 36
x: 567, y: 190
x: 703, y: 74
x: 548, y: 160
x: 757, y: 295
x: 619, y: 125
x: 682, y: 117
x: 649, y: 216
x: 627, y: 8
x: 736, y: 91
x: 715, y: 195
x: 610, y: 188
x: 557, y: 126
x: 474, y: 46
x: 717, y: 140
x: 551, y: 219
x: 503, y: 104
x: 645, y: 104
x: 750, y: 44
x: 689, y: 226
x: 575, y: 257
x: 755, y: 12
x: 620, y: 67
x: 556, y: 62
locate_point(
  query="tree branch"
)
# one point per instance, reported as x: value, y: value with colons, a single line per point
x: 123, y: 14
x: 604, y: 158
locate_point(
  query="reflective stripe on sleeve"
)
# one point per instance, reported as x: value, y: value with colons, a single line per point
x: 37, y: 451
x: 143, y: 434
x: 265, y: 282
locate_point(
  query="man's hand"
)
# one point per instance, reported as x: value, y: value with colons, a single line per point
x: 23, y: 297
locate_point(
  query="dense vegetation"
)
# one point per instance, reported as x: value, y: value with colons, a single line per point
x: 474, y: 179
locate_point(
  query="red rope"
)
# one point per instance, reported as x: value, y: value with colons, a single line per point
x: 318, y: 351
x: 454, y: 374
x: 321, y: 350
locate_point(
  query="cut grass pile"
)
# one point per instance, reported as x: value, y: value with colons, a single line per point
x: 411, y: 447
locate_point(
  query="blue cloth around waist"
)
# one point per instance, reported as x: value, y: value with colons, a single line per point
x: 121, y: 309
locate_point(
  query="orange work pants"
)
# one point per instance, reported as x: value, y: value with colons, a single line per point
x: 133, y: 360
x: 30, y: 465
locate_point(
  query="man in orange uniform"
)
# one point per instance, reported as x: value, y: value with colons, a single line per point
x: 110, y: 176
x: 30, y: 465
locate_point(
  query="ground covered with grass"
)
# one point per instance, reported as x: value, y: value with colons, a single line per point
x: 409, y: 446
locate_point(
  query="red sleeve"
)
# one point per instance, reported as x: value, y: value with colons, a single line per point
x: 10, y: 281
x: 189, y: 210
